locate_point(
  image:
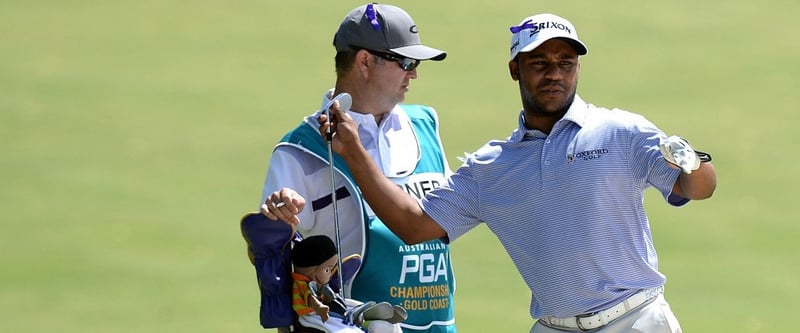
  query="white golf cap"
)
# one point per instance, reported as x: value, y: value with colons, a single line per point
x: 537, y: 29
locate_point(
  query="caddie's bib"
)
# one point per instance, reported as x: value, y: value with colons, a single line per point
x: 417, y: 277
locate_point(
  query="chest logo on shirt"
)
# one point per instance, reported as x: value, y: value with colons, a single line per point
x: 587, y: 155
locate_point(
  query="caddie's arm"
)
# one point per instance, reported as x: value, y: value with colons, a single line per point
x: 398, y: 210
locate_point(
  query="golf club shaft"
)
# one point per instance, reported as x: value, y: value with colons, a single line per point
x: 329, y: 137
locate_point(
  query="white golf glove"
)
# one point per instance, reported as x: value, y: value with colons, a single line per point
x: 679, y: 152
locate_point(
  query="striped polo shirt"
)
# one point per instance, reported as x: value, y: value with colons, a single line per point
x: 567, y: 207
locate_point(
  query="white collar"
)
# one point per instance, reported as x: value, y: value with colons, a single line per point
x: 576, y: 113
x: 398, y: 151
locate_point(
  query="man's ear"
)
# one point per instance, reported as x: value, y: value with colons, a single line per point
x: 362, y: 61
x: 513, y: 69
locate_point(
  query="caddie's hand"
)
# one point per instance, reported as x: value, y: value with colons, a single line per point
x: 680, y: 154
x: 284, y: 204
x: 342, y: 127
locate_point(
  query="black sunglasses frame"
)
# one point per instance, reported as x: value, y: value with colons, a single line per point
x: 407, y: 64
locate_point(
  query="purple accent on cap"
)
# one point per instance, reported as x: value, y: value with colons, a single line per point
x: 525, y: 25
x: 373, y: 19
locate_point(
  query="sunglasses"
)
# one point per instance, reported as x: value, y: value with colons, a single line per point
x: 407, y: 64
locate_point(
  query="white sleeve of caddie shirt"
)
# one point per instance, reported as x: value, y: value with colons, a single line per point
x: 285, y: 170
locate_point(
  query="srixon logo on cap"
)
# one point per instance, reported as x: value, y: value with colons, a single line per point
x: 536, y: 27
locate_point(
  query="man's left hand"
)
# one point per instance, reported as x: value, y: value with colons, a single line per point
x: 678, y: 152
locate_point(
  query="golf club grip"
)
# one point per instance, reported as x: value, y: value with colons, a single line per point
x: 329, y: 130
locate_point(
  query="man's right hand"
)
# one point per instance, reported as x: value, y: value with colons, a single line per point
x: 343, y: 129
x: 284, y: 204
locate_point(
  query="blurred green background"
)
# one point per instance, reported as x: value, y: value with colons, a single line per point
x: 134, y: 135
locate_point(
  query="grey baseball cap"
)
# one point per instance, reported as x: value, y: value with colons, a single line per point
x: 383, y: 27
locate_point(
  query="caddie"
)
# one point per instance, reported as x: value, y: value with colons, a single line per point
x: 378, y: 51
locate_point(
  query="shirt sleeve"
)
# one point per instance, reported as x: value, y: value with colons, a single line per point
x: 287, y: 170
x: 455, y: 204
x: 649, y: 164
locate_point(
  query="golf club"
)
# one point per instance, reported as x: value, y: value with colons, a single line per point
x: 345, y: 101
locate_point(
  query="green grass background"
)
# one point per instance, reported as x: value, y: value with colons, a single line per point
x: 133, y: 135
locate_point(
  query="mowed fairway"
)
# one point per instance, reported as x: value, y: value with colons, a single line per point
x: 133, y: 135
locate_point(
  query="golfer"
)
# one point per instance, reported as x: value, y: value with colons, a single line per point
x: 563, y: 193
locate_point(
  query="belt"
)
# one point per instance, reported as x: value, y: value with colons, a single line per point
x: 590, y: 321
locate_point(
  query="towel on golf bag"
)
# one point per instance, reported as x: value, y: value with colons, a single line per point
x: 353, y: 322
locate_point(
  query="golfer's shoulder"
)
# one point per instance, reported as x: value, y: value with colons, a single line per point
x: 614, y: 118
x: 487, y: 153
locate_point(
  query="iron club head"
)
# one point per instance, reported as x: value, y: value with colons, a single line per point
x: 345, y: 102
